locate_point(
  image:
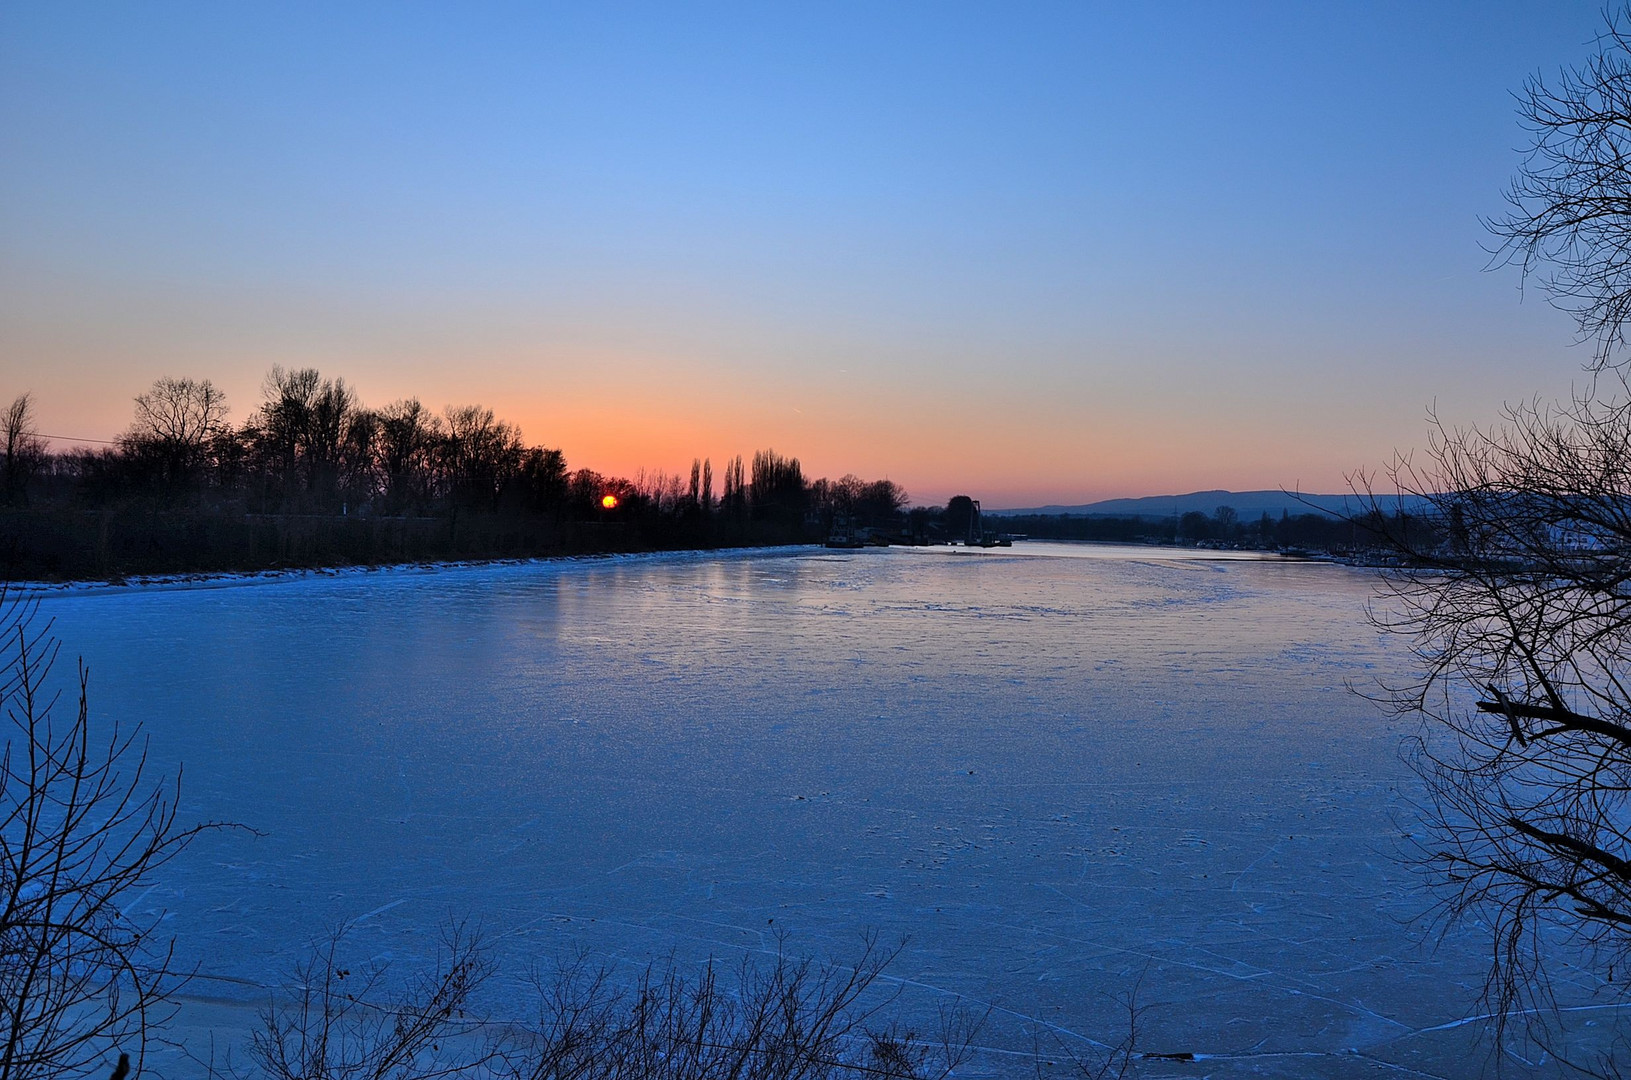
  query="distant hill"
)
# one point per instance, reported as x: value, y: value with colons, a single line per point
x: 1248, y: 504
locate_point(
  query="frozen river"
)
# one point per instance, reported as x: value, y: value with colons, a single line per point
x: 1058, y: 770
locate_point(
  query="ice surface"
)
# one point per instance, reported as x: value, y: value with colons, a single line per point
x: 1058, y: 775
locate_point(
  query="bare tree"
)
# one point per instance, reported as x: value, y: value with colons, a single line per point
x: 330, y: 418
x: 543, y: 480
x: 1110, y: 1062
x: 336, y: 1022
x: 1517, y: 607
x: 24, y: 449
x: 280, y: 429
x: 787, y: 1020
x: 734, y: 498
x: 176, y: 422
x: 883, y: 500
x: 479, y: 454
x: 778, y: 492
x: 1570, y: 220
x: 183, y: 412
x: 82, y: 978
x: 1517, y: 603
x: 409, y: 435
x: 300, y: 430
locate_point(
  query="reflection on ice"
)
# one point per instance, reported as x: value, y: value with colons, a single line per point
x: 1056, y: 775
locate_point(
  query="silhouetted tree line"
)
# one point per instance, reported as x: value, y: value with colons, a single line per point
x: 1361, y: 534
x: 314, y: 477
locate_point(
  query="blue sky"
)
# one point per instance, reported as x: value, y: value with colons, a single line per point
x: 1038, y: 252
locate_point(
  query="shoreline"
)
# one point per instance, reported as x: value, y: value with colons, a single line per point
x: 224, y: 579
x: 220, y: 579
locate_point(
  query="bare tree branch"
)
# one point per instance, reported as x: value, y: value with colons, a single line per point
x: 82, y: 979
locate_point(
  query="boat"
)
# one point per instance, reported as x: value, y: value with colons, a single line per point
x: 844, y: 536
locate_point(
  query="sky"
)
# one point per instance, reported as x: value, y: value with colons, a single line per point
x: 1036, y: 253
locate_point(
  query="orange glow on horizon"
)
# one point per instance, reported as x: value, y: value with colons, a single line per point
x: 1032, y: 451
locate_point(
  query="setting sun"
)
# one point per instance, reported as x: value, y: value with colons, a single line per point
x: 608, y: 502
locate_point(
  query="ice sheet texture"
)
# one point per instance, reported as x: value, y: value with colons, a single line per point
x: 1056, y: 775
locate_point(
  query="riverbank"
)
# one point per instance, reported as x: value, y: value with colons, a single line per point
x: 57, y: 546
x: 230, y: 578
x: 236, y: 578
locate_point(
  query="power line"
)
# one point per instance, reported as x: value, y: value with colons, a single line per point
x: 70, y: 438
